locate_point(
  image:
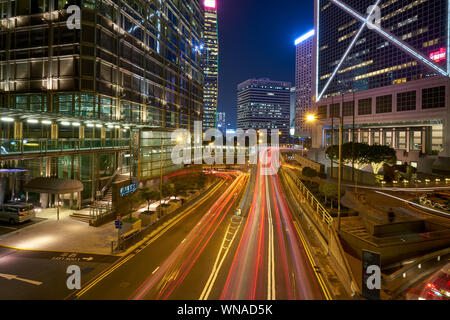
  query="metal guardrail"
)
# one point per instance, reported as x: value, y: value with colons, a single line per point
x: 30, y: 146
x: 313, y: 201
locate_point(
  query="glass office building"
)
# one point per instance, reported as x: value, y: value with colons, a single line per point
x: 265, y: 104
x: 387, y: 80
x: 374, y: 61
x: 100, y: 100
x: 210, y: 65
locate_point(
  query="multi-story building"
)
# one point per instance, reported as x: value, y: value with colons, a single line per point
x: 292, y: 112
x: 88, y: 104
x: 264, y: 104
x: 221, y: 122
x: 304, y: 79
x: 388, y: 79
x: 210, y: 65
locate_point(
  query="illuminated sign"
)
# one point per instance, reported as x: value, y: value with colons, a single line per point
x: 126, y: 191
x: 210, y: 4
x: 439, y: 56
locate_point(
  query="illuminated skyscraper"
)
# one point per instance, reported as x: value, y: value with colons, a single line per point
x: 265, y: 104
x: 221, y: 121
x: 385, y: 70
x: 210, y: 65
x: 97, y: 102
x: 304, y: 79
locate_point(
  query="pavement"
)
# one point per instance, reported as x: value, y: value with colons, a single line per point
x: 65, y: 235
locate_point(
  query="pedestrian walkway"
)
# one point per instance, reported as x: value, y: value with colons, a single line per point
x: 65, y: 235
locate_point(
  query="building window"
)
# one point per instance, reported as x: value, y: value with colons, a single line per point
x: 406, y: 101
x: 376, y: 137
x: 388, y: 138
x: 401, y: 140
x: 348, y: 109
x: 335, y: 110
x: 384, y: 104
x: 365, y: 137
x: 433, y: 98
x: 322, y: 112
x: 416, y: 140
x: 365, y: 107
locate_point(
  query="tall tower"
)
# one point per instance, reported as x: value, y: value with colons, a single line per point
x: 210, y: 65
x: 304, y: 77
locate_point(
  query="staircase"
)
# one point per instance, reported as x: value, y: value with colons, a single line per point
x: 81, y: 217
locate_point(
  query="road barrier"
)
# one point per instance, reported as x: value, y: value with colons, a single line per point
x: 323, y: 224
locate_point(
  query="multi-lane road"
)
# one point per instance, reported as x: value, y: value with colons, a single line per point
x: 212, y: 253
x: 209, y: 251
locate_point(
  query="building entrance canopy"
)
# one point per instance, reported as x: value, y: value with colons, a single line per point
x: 53, y: 186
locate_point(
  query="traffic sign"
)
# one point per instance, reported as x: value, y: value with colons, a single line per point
x: 119, y: 224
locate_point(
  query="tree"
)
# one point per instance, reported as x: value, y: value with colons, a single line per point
x: 378, y: 156
x: 181, y: 187
x: 167, y: 190
x: 149, y: 196
x: 330, y: 190
x: 309, y: 172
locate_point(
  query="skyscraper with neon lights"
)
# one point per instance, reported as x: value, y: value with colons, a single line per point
x: 210, y: 65
x: 385, y: 70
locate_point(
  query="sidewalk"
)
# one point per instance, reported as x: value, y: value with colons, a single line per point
x: 65, y: 235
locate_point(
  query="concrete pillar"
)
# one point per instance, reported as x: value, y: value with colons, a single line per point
x: 71, y: 200
x: 359, y: 136
x: 381, y: 138
x: 3, y: 182
x: 424, y: 140
x: 408, y: 140
x: 394, y: 138
x: 79, y: 200
x: 370, y: 137
x: 44, y: 197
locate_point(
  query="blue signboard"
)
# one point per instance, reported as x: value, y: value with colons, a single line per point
x: 126, y: 191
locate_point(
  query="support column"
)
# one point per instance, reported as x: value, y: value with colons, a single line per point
x: 370, y: 137
x: 381, y: 138
x: 394, y: 138
x: 359, y: 135
x: 424, y: 140
x: 408, y: 140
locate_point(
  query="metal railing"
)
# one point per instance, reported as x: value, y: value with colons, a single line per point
x: 319, y: 209
x: 30, y: 146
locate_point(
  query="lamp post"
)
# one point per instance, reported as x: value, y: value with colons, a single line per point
x: 312, y: 118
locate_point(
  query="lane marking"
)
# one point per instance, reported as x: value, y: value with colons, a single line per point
x: 15, y: 277
x: 159, y: 233
x: 319, y: 276
x: 271, y: 258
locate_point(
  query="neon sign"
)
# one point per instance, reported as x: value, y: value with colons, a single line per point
x: 439, y: 56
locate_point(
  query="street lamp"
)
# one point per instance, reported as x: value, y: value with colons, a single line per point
x: 312, y: 118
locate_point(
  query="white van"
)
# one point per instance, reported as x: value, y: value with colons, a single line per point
x: 16, y: 212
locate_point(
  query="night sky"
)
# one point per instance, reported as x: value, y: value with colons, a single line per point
x: 257, y: 41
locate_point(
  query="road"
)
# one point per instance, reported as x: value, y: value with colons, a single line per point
x: 177, y: 264
x: 211, y: 253
x: 43, y: 274
x: 271, y: 262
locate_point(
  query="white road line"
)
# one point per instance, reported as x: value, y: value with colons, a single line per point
x: 271, y: 258
x: 155, y: 270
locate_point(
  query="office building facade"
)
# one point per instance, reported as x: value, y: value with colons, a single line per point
x: 210, y: 65
x: 101, y: 100
x: 388, y: 80
x: 265, y: 104
x: 221, y: 122
x: 304, y: 79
